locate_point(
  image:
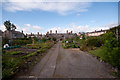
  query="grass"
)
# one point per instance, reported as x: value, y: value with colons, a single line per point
x: 29, y: 55
x: 98, y: 53
x: 70, y: 45
x: 12, y: 64
x: 40, y: 50
x: 13, y: 53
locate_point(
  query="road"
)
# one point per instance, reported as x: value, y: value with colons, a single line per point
x: 68, y: 63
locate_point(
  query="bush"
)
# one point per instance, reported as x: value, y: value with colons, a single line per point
x: 13, y: 53
x: 110, y: 52
x: 10, y: 66
x: 5, y: 41
x: 44, y: 40
x: 33, y: 46
x: 54, y: 39
x: 21, y: 42
x: 94, y: 41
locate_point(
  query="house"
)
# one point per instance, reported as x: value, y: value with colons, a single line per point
x: 96, y: 33
x: 39, y: 36
x: 1, y: 32
x: 60, y: 36
x: 1, y: 38
x: 11, y: 34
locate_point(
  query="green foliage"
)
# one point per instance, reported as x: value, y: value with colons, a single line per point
x: 110, y: 52
x: 13, y: 27
x: 10, y: 66
x: 44, y: 40
x: 94, y: 41
x: 42, y: 47
x: 5, y: 41
x: 83, y: 37
x: 21, y: 42
x: 114, y: 29
x: 49, y: 38
x: 98, y: 52
x: 54, y: 39
x: 7, y: 25
x: 29, y: 55
x: 13, y: 53
x: 36, y: 39
x: 34, y: 46
x: 25, y: 38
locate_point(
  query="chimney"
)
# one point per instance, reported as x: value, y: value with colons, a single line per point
x: 71, y: 32
x: 56, y: 31
x: 22, y: 31
x: 79, y: 34
x: 50, y: 31
x: 47, y: 32
x: 38, y: 35
x: 67, y: 31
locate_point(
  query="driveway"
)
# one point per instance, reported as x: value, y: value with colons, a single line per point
x: 68, y: 63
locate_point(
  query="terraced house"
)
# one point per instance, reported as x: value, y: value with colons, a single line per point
x: 11, y: 34
x: 96, y: 33
x: 60, y: 36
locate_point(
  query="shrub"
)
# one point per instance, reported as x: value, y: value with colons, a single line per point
x: 54, y: 39
x: 110, y: 52
x: 13, y: 53
x: 94, y: 41
x: 21, y: 42
x: 5, y: 41
x: 44, y: 40
x: 10, y: 66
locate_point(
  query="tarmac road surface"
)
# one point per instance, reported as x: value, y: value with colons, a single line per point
x: 68, y: 63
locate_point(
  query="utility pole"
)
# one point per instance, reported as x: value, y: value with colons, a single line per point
x: 117, y: 33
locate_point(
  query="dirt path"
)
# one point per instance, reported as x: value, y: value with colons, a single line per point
x: 68, y: 63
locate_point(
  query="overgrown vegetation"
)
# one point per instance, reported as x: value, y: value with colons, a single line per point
x: 12, y: 53
x: 17, y: 41
x: 71, y: 43
x: 42, y: 47
x: 14, y: 61
x: 106, y: 46
x: 110, y: 50
x: 10, y: 66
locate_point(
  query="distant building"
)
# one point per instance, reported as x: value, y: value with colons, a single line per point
x: 13, y: 34
x: 39, y: 36
x: 59, y: 35
x: 1, y: 32
x: 96, y: 33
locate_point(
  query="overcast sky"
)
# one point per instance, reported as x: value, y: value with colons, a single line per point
x: 32, y: 16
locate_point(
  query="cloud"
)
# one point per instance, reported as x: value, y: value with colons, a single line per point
x: 112, y: 24
x: 27, y: 25
x: 62, y: 8
x: 78, y: 14
x: 2, y: 27
x: 78, y: 28
x: 28, y: 28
